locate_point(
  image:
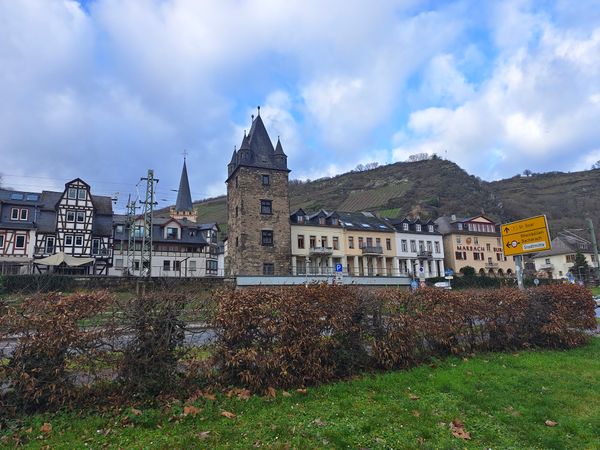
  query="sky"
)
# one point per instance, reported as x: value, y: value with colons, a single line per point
x: 106, y: 89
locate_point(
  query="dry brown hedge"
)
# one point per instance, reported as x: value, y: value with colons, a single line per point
x: 293, y: 336
x: 265, y: 337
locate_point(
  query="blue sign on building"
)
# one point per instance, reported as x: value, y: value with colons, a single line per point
x: 339, y: 267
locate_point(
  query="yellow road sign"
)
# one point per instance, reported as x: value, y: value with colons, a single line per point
x: 525, y: 236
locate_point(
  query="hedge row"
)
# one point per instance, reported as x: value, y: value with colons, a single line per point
x: 304, y: 335
x: 93, y: 347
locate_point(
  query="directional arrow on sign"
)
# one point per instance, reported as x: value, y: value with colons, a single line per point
x: 506, y: 230
x: 512, y: 244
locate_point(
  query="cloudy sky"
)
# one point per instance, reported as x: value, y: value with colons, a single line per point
x: 105, y: 89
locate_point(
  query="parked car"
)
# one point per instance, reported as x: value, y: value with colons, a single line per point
x: 597, y: 300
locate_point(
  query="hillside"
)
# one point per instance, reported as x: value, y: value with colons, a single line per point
x: 438, y: 187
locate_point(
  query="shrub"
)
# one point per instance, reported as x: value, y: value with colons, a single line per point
x: 49, y: 332
x: 289, y: 336
x: 155, y: 332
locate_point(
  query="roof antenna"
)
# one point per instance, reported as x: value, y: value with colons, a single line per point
x: 258, y: 110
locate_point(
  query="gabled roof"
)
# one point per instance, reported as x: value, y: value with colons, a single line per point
x: 563, y: 245
x: 184, y: 197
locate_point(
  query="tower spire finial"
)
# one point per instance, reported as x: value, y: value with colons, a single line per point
x: 185, y: 153
x: 258, y: 107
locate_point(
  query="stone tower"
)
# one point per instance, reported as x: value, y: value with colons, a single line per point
x: 258, y: 207
x: 184, y: 209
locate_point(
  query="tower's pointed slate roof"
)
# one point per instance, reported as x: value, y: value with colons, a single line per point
x: 257, y: 150
x: 184, y: 196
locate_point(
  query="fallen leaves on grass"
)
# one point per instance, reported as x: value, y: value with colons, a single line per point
x: 46, y: 428
x: 414, y: 397
x: 190, y: 410
x: 416, y: 413
x: 241, y: 394
x: 136, y: 412
x: 204, y: 434
x: 302, y: 391
x: 271, y: 392
x: 550, y: 423
x: 228, y: 414
x: 286, y: 394
x: 318, y: 422
x: 458, y: 430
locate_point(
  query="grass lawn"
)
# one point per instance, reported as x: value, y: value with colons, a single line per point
x: 595, y: 290
x: 503, y: 400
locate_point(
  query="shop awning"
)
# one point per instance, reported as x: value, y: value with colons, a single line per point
x: 60, y: 258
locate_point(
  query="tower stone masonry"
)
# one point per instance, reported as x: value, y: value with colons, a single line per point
x: 258, y: 226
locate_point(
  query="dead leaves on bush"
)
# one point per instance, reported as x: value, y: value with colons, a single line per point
x: 550, y: 423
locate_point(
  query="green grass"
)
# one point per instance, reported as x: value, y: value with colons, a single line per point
x: 595, y: 290
x: 503, y: 400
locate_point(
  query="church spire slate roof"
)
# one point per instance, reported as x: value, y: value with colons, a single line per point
x: 257, y: 150
x: 184, y: 197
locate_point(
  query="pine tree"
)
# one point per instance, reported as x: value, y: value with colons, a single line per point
x: 580, y: 266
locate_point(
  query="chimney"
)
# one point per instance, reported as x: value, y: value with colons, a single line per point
x: 453, y: 217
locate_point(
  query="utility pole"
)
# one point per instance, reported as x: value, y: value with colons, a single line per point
x: 147, y: 211
x: 130, y: 255
x: 594, y: 243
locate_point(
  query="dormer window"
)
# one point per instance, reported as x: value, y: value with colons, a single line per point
x: 460, y: 226
x: 300, y: 219
x: 430, y: 228
x: 418, y: 227
x: 81, y: 194
x: 14, y: 214
x: 405, y: 226
x: 72, y: 194
x: 172, y: 233
x: 321, y: 220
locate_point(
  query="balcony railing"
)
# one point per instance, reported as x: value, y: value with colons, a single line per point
x: 547, y: 267
x: 491, y: 265
x: 321, y: 251
x: 423, y: 254
x: 372, y: 250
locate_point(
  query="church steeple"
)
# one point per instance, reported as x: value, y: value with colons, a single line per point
x: 184, y: 207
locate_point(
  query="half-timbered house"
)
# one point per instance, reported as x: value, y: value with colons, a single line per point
x: 18, y: 214
x: 77, y: 224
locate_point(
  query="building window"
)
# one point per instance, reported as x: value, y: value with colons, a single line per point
x: 421, y: 246
x: 570, y: 258
x: 119, y: 263
x: 418, y: 227
x: 120, y: 228
x: 70, y: 216
x: 172, y: 233
x: 429, y: 246
x: 265, y: 180
x: 177, y: 266
x: 300, y: 241
x: 458, y: 240
x: 436, y: 246
x: 413, y: 246
x: 193, y: 265
x: 81, y: 194
x: 350, y: 242
x: 478, y: 256
x: 79, y: 240
x: 237, y: 242
x: 72, y: 193
x: 476, y: 240
x: 237, y: 211
x: 430, y: 227
x: 460, y: 255
x: 323, y: 241
x: 547, y: 261
x: 166, y: 265
x: 14, y: 214
x: 266, y: 207
x: 404, y: 245
x: 360, y: 242
x: 460, y: 226
x: 80, y: 216
x: 136, y: 265
x: 405, y: 226
x: 20, y: 241
x: 377, y: 242
x: 24, y: 214
x: 266, y: 237
x: 211, y: 266
x: 321, y: 220
x: 336, y: 243
x: 268, y: 269
x: 1, y: 243
x: 312, y: 241
x: 488, y: 247
x: 69, y: 239
x: 95, y: 246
